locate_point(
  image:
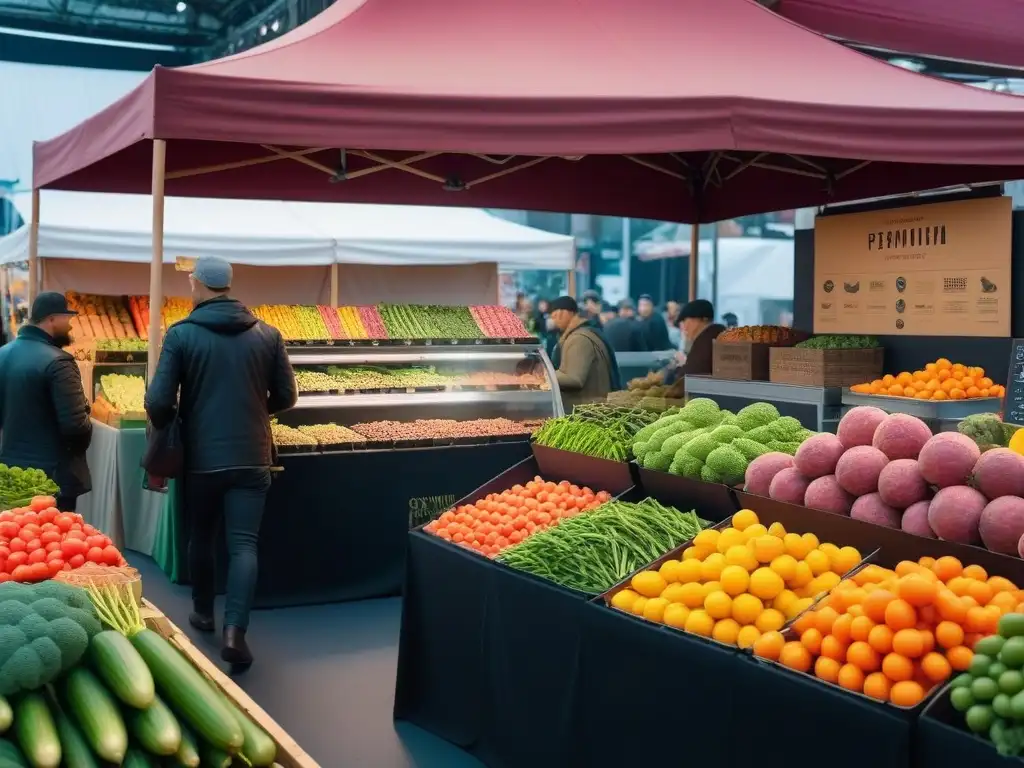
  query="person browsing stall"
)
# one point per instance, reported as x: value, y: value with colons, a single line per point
x: 223, y: 373
x: 696, y: 321
x: 44, y: 415
x: 587, y: 371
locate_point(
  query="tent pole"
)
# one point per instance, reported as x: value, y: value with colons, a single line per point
x: 33, y: 249
x: 156, y: 266
x: 334, y: 284
x: 694, y: 254
x: 571, y: 283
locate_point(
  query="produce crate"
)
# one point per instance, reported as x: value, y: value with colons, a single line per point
x: 942, y: 739
x: 712, y: 501
x: 599, y: 474
x: 741, y: 360
x: 289, y: 753
x: 824, y: 367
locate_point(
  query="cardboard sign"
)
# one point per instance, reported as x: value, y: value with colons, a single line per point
x: 1013, y: 404
x: 928, y: 270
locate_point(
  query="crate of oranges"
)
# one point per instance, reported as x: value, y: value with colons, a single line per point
x: 938, y: 381
x: 895, y: 635
x: 736, y: 582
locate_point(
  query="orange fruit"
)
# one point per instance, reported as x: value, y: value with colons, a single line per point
x: 1001, y: 584
x: 927, y: 637
x: 976, y: 572
x: 877, y: 686
x: 906, y: 693
x: 957, y: 394
x: 876, y: 603
x: 906, y: 567
x: 949, y: 634
x: 959, y: 657
x: 795, y: 656
x: 833, y: 648
x: 908, y: 642
x: 935, y: 667
x: 959, y: 585
x: 811, y: 640
x: 899, y: 614
x: 842, y: 627
x: 880, y: 638
x: 917, y: 590
x: 851, y: 678
x: 824, y: 619
x: 863, y: 656
x: 769, y: 645
x: 861, y: 627
x: 950, y: 607
x: 981, y: 591
x: 1004, y: 601
x: 827, y: 669
x: 971, y: 639
x: 977, y: 620
x: 805, y: 622
x: 897, y: 668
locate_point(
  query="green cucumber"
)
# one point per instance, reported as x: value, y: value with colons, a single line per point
x: 156, y: 729
x: 259, y: 749
x: 136, y: 758
x: 11, y: 755
x: 122, y: 669
x: 37, y: 733
x: 188, y: 751
x: 95, y: 710
x: 6, y: 715
x: 185, y: 688
x: 76, y: 749
x: 213, y: 757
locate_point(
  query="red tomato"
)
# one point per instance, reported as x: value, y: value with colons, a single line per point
x: 22, y: 573
x: 4, y: 577
x: 53, y: 546
x: 94, y: 555
x: 9, y: 529
x: 78, y: 527
x: 71, y: 547
x: 33, y: 545
x: 111, y: 556
x: 4, y: 551
x: 16, y: 559
x: 47, y: 515
x: 48, y: 537
x: 49, y: 527
x: 97, y: 540
x: 63, y: 522
x: 30, y: 517
x: 7, y: 516
x: 18, y: 545
x: 26, y: 534
x: 37, y: 556
x: 89, y: 530
x: 40, y: 503
x: 73, y: 534
x: 77, y: 561
x: 54, y: 556
x: 40, y: 571
x: 54, y: 567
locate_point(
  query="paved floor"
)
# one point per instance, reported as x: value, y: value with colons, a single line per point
x: 327, y: 675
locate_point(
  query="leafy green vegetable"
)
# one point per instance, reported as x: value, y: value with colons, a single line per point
x: 18, y: 486
x: 600, y: 430
x: 840, y: 342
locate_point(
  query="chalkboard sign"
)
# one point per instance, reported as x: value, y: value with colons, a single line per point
x: 1013, y: 405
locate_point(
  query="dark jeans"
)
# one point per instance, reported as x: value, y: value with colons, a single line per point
x: 67, y: 503
x: 237, y: 496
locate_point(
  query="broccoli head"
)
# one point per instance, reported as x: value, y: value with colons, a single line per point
x: 756, y: 415
x: 985, y: 429
x: 728, y: 463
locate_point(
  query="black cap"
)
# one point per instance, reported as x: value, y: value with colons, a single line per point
x: 592, y: 296
x: 565, y: 302
x: 699, y: 309
x: 627, y: 304
x: 645, y: 296
x: 49, y: 303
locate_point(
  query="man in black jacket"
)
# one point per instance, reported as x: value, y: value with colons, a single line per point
x: 44, y: 416
x: 223, y: 373
x: 624, y: 332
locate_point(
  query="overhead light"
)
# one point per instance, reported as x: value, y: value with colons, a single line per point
x: 276, y: 25
x: 181, y: 7
x: 263, y: 30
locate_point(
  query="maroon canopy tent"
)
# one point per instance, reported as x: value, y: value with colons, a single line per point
x: 684, y: 110
x: 982, y: 31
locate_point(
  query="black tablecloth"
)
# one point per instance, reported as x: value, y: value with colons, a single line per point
x: 335, y: 524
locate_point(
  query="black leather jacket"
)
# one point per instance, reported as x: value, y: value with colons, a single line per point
x: 44, y: 416
x: 229, y: 372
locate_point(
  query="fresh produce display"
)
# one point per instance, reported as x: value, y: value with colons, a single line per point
x: 649, y: 392
x: 296, y: 322
x: 350, y: 324
x: 500, y: 520
x: 121, y: 345
x: 121, y: 695
x: 19, y: 487
x: 895, y: 635
x: 175, y: 309
x: 100, y: 317
x: 327, y: 435
x: 890, y: 470
x: 989, y: 432
x: 360, y: 378
x: 776, y: 335
x: 416, y: 321
x: 839, y: 342
x: 126, y: 393
x: 289, y: 436
x: 989, y: 693
x: 373, y: 323
x: 497, y: 322
x: 594, y: 552
x: 740, y: 584
x: 941, y: 380
x: 314, y: 381
x: 332, y: 321
x: 430, y: 429
x: 702, y: 441
x: 600, y: 430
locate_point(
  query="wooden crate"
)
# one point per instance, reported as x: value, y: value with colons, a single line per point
x: 289, y: 753
x: 742, y: 360
x: 824, y: 367
x: 104, y: 412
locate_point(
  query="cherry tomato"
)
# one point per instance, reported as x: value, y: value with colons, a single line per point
x: 37, y: 556
x: 54, y: 556
x: 71, y: 547
x: 47, y: 515
x: 29, y: 517
x: 22, y: 573
x: 18, y: 545
x: 33, y: 545
x: 40, y: 571
x: 78, y: 527
x: 111, y: 556
x: 67, y: 566
x: 9, y: 529
x: 77, y: 561
x: 73, y: 534
x: 94, y: 555
x: 53, y: 546
x: 16, y: 559
x: 63, y: 522
x: 26, y: 534
x: 48, y: 537
x: 97, y: 540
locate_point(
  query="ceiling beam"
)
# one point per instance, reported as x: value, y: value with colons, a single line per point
x: 152, y: 34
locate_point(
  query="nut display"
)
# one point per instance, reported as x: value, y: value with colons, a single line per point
x: 331, y: 434
x: 425, y: 429
x: 285, y: 435
x: 126, y: 393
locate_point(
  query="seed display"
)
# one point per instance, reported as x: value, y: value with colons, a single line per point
x: 285, y: 435
x: 315, y: 381
x: 426, y: 429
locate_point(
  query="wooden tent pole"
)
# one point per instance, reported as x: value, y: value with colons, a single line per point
x: 33, y: 249
x: 571, y: 285
x: 156, y: 266
x: 694, y: 255
x: 334, y: 284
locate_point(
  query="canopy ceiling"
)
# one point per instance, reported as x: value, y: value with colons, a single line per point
x: 683, y: 110
x: 102, y: 227
x: 983, y: 31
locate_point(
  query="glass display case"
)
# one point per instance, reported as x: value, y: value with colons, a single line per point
x: 416, y: 396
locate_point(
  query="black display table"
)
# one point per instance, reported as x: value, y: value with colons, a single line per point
x: 335, y: 524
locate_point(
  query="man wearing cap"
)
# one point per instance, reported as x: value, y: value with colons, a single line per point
x: 696, y: 321
x: 587, y: 370
x: 223, y: 373
x: 44, y: 415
